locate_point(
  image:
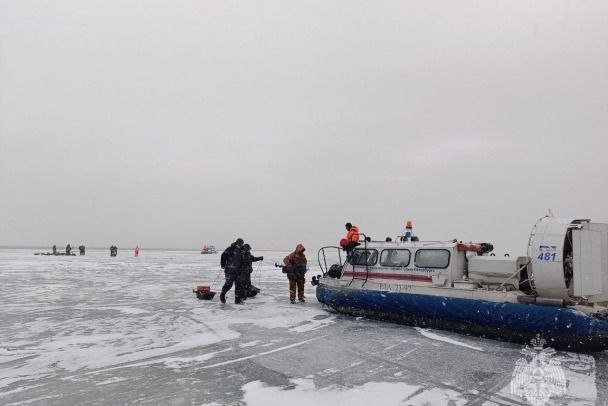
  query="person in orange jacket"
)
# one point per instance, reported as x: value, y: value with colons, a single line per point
x: 295, y: 265
x: 352, y: 237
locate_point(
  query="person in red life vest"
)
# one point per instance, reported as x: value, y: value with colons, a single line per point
x: 295, y: 265
x: 352, y: 238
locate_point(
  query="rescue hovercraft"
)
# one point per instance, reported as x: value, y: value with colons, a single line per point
x: 559, y: 290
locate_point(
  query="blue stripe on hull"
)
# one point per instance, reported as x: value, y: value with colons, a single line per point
x: 562, y: 327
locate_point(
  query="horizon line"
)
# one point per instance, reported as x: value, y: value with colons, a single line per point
x: 75, y: 248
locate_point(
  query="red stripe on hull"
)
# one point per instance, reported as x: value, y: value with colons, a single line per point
x: 396, y: 276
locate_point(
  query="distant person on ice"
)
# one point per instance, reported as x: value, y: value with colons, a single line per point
x: 351, y: 240
x: 68, y: 249
x: 137, y: 249
x: 247, y: 269
x: 295, y: 264
x: 231, y: 262
x: 54, y: 250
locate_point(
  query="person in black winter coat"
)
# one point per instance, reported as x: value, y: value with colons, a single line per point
x: 231, y: 261
x: 247, y: 269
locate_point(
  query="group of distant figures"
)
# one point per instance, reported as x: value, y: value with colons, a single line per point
x: 82, y: 251
x: 114, y: 250
x: 68, y: 251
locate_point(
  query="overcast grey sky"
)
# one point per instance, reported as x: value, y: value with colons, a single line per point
x: 175, y: 123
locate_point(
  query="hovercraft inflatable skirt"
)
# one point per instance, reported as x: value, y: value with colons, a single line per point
x: 563, y: 328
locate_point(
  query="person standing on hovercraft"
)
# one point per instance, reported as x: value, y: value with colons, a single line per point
x: 231, y: 262
x: 247, y: 269
x: 295, y: 265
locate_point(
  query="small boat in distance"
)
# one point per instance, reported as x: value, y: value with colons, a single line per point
x: 208, y: 249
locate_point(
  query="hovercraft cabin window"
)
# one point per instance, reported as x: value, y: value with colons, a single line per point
x: 426, y: 258
x: 364, y: 257
x: 400, y: 258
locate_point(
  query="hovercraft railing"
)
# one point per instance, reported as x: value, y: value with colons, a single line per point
x: 322, y: 259
x: 323, y: 264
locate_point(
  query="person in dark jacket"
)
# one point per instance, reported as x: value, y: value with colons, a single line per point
x: 295, y: 264
x: 231, y: 261
x: 247, y: 269
x: 54, y: 250
x: 68, y: 249
x: 82, y: 249
x: 228, y: 252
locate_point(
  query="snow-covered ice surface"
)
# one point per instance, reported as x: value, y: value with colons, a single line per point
x: 109, y: 331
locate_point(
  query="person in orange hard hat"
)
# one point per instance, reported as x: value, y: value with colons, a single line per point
x: 295, y: 265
